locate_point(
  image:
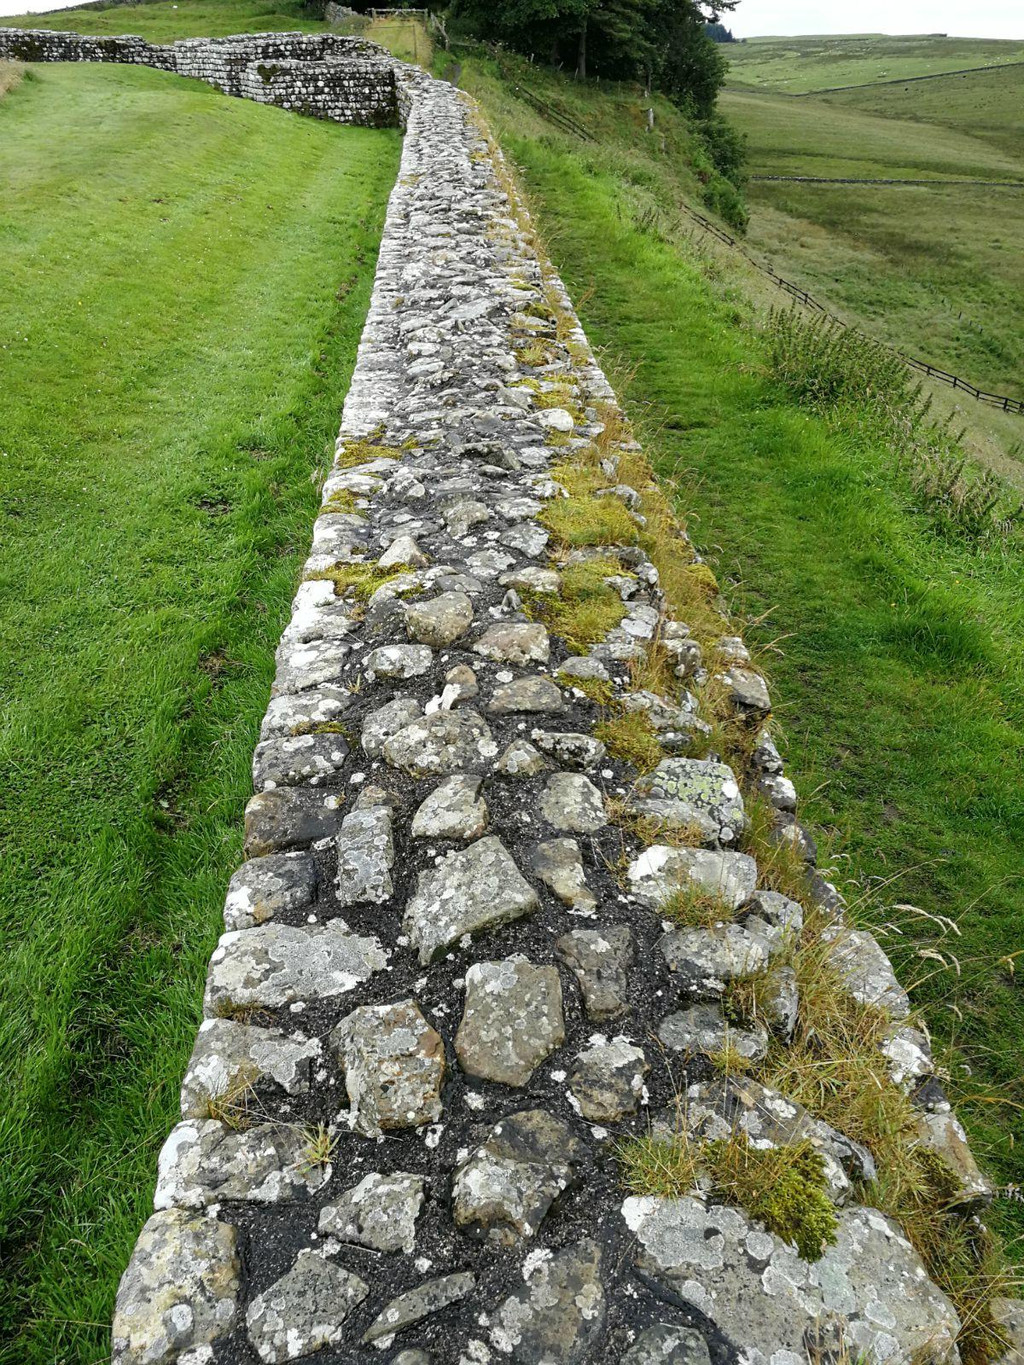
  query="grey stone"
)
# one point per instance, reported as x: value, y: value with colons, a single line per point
x: 705, y: 961
x: 230, y: 1059
x: 666, y: 1344
x: 459, y: 685
x: 289, y: 713
x: 472, y: 889
x: 180, y: 1291
x: 512, y: 1020
x: 282, y: 883
x: 571, y: 802
x: 205, y: 1162
x: 278, y: 965
x: 403, y: 552
x: 526, y: 694
x: 380, y: 1212
x: 600, y: 959
x: 304, y: 666
x: 366, y: 856
x: 558, y: 1315
x: 748, y: 692
x: 908, y: 1052
x: 441, y: 744
x: 587, y: 669
x: 569, y: 749
x: 526, y: 537
x: 462, y: 515
x: 607, y: 1082
x: 521, y: 759
x: 661, y: 870
x: 441, y: 621
x: 777, y: 910
x: 394, y: 1067
x: 703, y: 1029
x: 753, y: 1288
x: 782, y: 1001
x: 398, y: 661
x: 422, y: 1302
x: 696, y: 793
x: 865, y: 971
x: 380, y: 725
x: 559, y: 865
x: 289, y: 817
x: 304, y: 1311
x: 503, y: 1191
x: 1008, y: 1314
x: 488, y: 563
x: 515, y: 644
x: 532, y: 578
x: 297, y: 759
x: 454, y: 810
x: 779, y: 790
x: 411, y: 1358
x: 941, y: 1132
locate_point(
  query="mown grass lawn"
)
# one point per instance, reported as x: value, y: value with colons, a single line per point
x: 899, y: 668
x: 185, y: 281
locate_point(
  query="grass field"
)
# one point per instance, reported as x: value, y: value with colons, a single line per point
x: 796, y: 65
x: 934, y: 270
x: 899, y: 666
x: 185, y: 282
x: 186, y: 19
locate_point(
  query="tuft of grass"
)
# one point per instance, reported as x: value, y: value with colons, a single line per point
x: 630, y: 736
x: 779, y: 865
x: 664, y: 1167
x: 319, y: 1147
x: 693, y: 907
x: 361, y: 580
x: 585, y: 608
x: 340, y: 502
x: 355, y: 453
x: 578, y: 521
x: 232, y: 1106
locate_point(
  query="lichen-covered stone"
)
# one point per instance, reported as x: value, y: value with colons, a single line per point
x: 304, y: 1311
x: 558, y: 1314
x: 380, y: 1212
x: 571, y: 802
x: 278, y: 965
x: 704, y: 961
x: 600, y: 960
x: 607, y: 1082
x: 771, y: 1306
x: 526, y: 694
x: 941, y: 1132
x: 366, y: 856
x: 693, y: 793
x: 748, y: 692
x: 422, y: 1302
x: 281, y: 883
x: 289, y: 817
x: 864, y: 970
x: 514, y: 644
x: 454, y: 810
x: 231, y: 1058
x: 441, y: 621
x: 521, y: 759
x: 703, y: 1029
x: 394, y: 1067
x: 470, y: 890
x: 297, y: 759
x: 667, y: 1344
x: 559, y: 865
x: 503, y: 1191
x: 661, y: 870
x: 398, y: 661
x: 206, y: 1162
x: 512, y: 1020
x: 443, y: 743
x: 386, y: 721
x: 180, y: 1291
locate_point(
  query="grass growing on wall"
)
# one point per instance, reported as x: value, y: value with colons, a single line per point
x: 185, y: 282
x: 899, y: 673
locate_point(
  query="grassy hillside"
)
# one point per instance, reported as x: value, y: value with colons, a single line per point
x: 185, y: 281
x: 186, y: 19
x: 796, y: 65
x: 932, y: 269
x: 894, y: 644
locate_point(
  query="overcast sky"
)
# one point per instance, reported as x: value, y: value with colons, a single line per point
x: 996, y: 19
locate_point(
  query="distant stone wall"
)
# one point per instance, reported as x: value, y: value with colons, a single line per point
x: 325, y: 75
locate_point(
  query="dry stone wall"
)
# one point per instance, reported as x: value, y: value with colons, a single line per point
x: 448, y: 985
x: 345, y: 80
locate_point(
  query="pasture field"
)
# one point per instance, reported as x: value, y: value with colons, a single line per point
x: 165, y: 21
x: 895, y: 649
x: 185, y: 283
x: 933, y: 269
x: 796, y: 65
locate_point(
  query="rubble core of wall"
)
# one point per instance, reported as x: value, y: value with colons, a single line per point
x: 324, y: 75
x: 449, y: 986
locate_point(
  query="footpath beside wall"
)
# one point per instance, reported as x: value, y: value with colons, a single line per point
x: 448, y: 984
x: 324, y: 75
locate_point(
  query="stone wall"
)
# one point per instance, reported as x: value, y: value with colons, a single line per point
x: 346, y: 80
x: 454, y: 973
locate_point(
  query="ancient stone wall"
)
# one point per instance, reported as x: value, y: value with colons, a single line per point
x: 345, y: 80
x: 480, y: 939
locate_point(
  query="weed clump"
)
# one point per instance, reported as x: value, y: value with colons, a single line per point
x: 632, y: 738
x: 691, y: 906
x: 585, y: 608
x: 578, y: 521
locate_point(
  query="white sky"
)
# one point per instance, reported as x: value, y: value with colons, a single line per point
x: 996, y: 18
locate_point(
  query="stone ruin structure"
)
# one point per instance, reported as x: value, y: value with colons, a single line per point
x: 448, y: 985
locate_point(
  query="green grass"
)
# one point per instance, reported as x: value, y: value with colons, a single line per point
x: 186, y: 19
x: 900, y: 677
x: 931, y: 269
x: 185, y: 282
x: 797, y: 65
